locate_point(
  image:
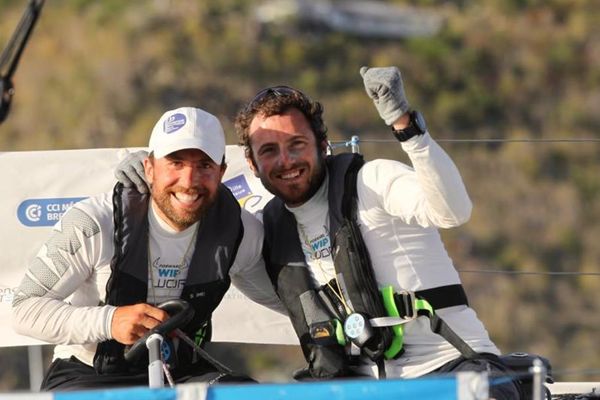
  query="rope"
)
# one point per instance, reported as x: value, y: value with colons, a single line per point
x: 581, y: 372
x: 336, y: 144
x: 523, y: 140
x: 551, y: 273
x: 355, y: 141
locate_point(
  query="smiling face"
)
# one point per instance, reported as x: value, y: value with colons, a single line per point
x: 183, y: 185
x: 286, y: 157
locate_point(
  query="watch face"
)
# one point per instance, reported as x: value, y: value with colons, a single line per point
x: 420, y: 122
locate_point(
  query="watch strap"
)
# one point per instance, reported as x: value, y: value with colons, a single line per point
x: 410, y: 131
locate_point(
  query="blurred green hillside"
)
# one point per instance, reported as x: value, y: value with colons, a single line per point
x: 100, y: 73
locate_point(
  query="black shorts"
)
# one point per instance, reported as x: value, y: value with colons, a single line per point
x: 72, y: 374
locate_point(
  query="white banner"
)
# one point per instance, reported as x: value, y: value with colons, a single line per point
x: 40, y: 186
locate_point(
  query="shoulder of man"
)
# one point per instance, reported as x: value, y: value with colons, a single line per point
x: 251, y: 222
x: 376, y: 177
x: 275, y: 205
x: 384, y: 167
x: 98, y: 207
x: 87, y: 220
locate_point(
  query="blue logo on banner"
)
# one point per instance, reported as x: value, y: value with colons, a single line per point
x: 174, y: 122
x: 44, y: 212
x: 239, y: 187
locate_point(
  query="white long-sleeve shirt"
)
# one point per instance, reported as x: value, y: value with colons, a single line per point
x: 59, y: 300
x: 399, y: 211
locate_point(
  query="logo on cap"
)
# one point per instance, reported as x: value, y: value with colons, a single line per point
x: 174, y: 122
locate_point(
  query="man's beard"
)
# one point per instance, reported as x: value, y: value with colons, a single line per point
x: 183, y: 219
x: 315, y: 181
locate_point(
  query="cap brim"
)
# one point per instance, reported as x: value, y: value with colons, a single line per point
x: 164, y: 151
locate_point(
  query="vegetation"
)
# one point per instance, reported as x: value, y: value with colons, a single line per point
x: 99, y: 74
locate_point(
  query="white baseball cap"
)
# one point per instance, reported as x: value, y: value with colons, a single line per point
x: 188, y: 128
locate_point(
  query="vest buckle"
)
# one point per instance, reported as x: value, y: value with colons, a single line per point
x: 405, y: 303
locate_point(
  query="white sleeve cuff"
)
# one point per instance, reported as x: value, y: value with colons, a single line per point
x: 416, y: 143
x: 108, y: 317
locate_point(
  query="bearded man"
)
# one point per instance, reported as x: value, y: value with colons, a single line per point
x: 94, y: 287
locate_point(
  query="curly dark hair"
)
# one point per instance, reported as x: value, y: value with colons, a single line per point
x: 276, y: 100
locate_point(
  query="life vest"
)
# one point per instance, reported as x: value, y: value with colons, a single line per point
x: 315, y: 312
x: 207, y: 280
x: 310, y: 306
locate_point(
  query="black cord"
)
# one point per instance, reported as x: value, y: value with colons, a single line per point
x: 11, y: 54
x: 20, y: 37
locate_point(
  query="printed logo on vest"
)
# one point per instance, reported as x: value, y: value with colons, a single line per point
x: 44, y: 212
x: 318, y: 247
x: 167, y: 276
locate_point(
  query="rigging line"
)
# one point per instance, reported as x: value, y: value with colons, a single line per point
x: 7, y: 53
x: 555, y: 273
x: 491, y: 140
x: 522, y: 140
x: 566, y: 372
x: 12, y: 52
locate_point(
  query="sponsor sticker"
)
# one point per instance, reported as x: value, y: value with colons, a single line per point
x: 242, y: 192
x: 44, y: 212
x: 239, y: 187
x: 174, y: 123
x: 248, y: 200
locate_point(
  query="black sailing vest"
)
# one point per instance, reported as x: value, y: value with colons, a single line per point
x: 290, y: 274
x: 309, y: 306
x: 218, y: 239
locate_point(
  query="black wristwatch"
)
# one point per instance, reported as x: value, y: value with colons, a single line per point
x: 416, y: 126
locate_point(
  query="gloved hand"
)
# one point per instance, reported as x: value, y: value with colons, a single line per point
x: 384, y: 86
x: 130, y: 171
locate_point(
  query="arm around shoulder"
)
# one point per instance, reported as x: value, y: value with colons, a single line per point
x: 248, y: 272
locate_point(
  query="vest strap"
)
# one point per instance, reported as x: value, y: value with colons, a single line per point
x: 444, y: 296
x: 405, y: 306
x: 438, y: 298
x: 440, y: 327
